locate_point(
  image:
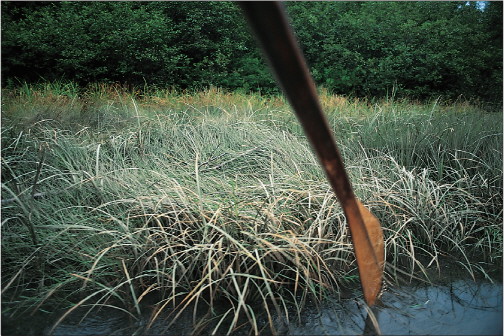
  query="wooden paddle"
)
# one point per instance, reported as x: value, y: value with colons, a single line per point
x: 269, y: 22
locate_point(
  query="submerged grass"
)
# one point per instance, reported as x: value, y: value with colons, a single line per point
x: 214, y: 199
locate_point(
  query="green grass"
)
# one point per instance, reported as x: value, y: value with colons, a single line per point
x: 111, y: 195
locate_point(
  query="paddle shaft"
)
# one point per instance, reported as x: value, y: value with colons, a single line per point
x: 272, y: 30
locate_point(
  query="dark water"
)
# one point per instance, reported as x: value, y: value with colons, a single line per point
x: 462, y: 307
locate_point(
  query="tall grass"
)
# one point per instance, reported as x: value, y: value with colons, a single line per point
x: 111, y: 195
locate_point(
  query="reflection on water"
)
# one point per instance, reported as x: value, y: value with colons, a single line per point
x: 463, y: 307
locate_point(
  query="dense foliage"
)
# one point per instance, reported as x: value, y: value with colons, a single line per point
x: 418, y: 49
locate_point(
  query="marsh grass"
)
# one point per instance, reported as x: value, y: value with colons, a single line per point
x: 214, y: 199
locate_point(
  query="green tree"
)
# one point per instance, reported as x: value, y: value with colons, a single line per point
x: 423, y: 49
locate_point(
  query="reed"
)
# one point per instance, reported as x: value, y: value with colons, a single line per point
x: 215, y: 197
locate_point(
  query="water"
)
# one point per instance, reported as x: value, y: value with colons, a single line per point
x: 462, y: 307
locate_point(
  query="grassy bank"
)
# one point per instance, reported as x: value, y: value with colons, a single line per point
x: 111, y: 195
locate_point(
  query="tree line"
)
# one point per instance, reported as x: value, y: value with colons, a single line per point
x: 417, y: 49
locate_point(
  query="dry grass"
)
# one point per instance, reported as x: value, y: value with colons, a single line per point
x: 216, y: 200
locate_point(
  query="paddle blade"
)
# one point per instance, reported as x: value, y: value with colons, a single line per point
x: 370, y: 254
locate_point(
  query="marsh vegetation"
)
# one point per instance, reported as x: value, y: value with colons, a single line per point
x: 111, y: 196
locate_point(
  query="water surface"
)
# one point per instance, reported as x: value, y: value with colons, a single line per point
x: 462, y: 307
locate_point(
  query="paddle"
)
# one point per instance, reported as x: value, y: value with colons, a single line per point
x: 269, y: 22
